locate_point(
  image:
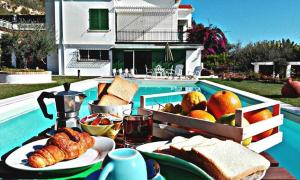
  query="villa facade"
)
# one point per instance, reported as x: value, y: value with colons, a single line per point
x: 95, y: 36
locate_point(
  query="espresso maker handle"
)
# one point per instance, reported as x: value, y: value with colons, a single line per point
x: 43, y: 105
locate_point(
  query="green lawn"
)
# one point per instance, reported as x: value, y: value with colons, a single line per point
x: 7, y: 91
x: 269, y: 90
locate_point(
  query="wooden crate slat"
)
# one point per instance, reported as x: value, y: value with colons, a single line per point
x: 266, y: 143
x: 262, y: 126
x: 213, y: 128
x: 259, y: 106
x: 164, y: 94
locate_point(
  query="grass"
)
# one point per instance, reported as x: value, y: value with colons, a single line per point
x: 268, y: 90
x: 8, y: 90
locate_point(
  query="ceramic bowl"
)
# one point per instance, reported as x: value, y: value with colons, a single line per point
x: 110, y: 130
x: 117, y: 110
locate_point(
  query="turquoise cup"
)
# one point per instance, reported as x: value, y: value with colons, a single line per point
x: 124, y: 164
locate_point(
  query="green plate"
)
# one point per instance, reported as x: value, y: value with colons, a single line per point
x: 172, y: 167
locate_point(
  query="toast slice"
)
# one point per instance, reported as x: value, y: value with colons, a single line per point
x: 122, y: 89
x: 109, y: 100
x: 229, y: 160
x: 102, y: 89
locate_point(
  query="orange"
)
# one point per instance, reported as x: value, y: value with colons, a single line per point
x: 202, y: 115
x: 223, y: 102
x: 193, y: 100
x: 256, y: 116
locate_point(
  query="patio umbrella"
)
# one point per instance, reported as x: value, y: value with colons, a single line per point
x: 168, y: 53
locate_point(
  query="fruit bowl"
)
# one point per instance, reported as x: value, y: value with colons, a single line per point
x: 116, y: 109
x: 101, y: 124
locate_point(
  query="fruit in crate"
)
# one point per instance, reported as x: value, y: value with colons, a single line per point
x: 230, y: 120
x: 256, y: 116
x: 193, y: 100
x: 202, y: 115
x: 223, y: 102
x: 169, y: 107
x: 177, y: 109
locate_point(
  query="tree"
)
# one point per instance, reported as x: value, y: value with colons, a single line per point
x: 7, y: 43
x: 212, y: 38
x: 279, y: 52
x: 32, y: 47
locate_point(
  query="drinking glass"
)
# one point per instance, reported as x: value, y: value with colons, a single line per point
x: 137, y: 128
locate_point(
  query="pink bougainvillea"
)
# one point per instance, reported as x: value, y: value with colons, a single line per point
x: 212, y: 38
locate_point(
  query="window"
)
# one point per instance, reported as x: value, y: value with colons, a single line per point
x: 98, y: 19
x: 93, y: 55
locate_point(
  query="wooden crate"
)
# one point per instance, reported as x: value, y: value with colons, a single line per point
x: 222, y: 131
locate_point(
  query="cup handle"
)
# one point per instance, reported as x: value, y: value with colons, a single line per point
x: 105, y: 171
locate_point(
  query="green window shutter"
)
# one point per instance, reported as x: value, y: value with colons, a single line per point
x: 104, y: 19
x: 94, y: 19
x: 98, y: 19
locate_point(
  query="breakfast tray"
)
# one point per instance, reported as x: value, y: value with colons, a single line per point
x: 164, y: 123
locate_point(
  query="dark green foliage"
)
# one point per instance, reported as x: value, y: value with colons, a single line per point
x: 30, y: 47
x: 279, y: 52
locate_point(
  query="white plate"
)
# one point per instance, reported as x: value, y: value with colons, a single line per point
x: 18, y: 159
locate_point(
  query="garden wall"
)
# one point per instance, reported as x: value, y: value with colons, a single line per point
x: 26, y: 77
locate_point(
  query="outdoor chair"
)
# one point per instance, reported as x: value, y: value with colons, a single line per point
x: 126, y: 72
x: 197, y: 71
x: 158, y: 70
x: 120, y: 71
x: 179, y: 70
x: 170, y: 72
x: 148, y: 71
x: 114, y: 72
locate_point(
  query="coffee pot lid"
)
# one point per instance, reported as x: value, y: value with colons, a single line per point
x: 67, y: 91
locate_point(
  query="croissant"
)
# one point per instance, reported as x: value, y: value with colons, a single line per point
x: 66, y: 144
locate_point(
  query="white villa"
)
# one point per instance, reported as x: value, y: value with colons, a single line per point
x: 96, y: 36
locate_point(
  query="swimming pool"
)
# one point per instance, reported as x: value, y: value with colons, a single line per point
x: 17, y: 130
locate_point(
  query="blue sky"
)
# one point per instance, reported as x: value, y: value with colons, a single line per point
x: 251, y: 20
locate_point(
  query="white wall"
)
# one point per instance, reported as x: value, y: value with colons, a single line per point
x: 76, y: 22
x: 193, y: 59
x: 145, y: 3
x: 185, y: 14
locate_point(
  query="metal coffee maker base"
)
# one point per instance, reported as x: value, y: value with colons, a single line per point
x: 61, y: 123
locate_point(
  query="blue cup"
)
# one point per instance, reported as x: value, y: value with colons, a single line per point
x: 124, y: 164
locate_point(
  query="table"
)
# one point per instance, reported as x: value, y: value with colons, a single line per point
x: 275, y: 172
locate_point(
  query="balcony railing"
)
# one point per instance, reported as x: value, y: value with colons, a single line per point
x: 151, y: 36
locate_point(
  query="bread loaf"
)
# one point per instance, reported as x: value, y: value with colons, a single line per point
x: 109, y: 100
x: 122, y: 89
x: 221, y: 159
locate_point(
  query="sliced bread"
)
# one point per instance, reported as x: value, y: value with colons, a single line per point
x: 205, y: 142
x: 176, y: 149
x: 175, y: 140
x: 229, y: 160
x: 109, y: 100
x: 122, y: 89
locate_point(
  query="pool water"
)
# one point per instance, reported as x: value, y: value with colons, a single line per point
x: 15, y: 131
